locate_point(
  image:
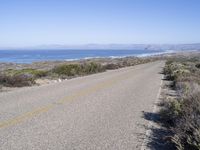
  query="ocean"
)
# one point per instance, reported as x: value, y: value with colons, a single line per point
x: 29, y: 56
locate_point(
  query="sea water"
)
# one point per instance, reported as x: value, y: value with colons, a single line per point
x: 29, y: 56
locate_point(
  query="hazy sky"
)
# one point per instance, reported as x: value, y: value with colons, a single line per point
x: 38, y: 22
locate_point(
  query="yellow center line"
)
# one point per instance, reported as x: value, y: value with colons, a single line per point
x: 87, y: 91
x: 25, y: 116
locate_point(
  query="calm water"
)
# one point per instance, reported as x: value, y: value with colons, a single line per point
x: 28, y: 56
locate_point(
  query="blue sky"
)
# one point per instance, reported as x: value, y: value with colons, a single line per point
x: 38, y: 22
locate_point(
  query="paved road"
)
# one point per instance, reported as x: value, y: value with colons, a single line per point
x: 101, y: 111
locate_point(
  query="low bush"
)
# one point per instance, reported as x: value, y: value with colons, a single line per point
x: 34, y: 72
x: 187, y: 126
x: 111, y: 66
x: 198, y: 65
x: 68, y: 70
x: 90, y: 68
x: 16, y: 80
x: 170, y: 112
x: 77, y: 69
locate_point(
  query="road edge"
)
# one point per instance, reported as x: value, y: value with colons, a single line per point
x: 150, y: 123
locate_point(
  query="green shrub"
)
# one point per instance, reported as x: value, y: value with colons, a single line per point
x: 34, y: 72
x: 40, y: 73
x: 92, y: 68
x: 171, y: 111
x: 68, y: 70
x: 77, y: 69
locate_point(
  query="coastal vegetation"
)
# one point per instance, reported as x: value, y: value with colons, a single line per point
x: 181, y: 113
x: 26, y: 75
x: 20, y: 78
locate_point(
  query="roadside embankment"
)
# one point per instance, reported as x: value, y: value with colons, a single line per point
x: 181, y: 113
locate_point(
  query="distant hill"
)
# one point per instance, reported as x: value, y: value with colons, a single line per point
x: 195, y: 46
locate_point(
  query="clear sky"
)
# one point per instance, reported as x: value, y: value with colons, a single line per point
x: 38, y: 22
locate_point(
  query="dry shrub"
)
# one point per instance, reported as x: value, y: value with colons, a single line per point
x: 16, y: 80
x: 183, y: 113
x: 198, y: 65
x: 187, y: 127
x: 111, y: 66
